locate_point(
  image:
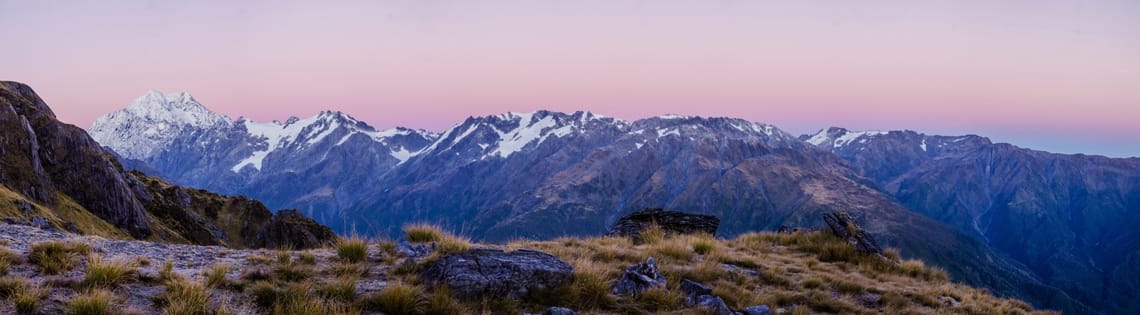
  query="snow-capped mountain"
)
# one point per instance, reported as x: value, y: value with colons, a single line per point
x: 318, y: 162
x: 154, y: 121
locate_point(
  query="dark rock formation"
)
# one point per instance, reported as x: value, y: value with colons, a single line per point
x: 42, y: 158
x: 559, y: 311
x: 494, y: 273
x: 693, y: 291
x: 843, y: 226
x: 714, y: 305
x: 756, y: 310
x: 638, y: 278
x: 672, y: 222
x: 291, y: 229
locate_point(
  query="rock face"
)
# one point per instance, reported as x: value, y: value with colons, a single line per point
x: 672, y: 222
x: 843, y: 226
x: 494, y: 273
x: 43, y: 158
x: 638, y: 278
x: 291, y: 229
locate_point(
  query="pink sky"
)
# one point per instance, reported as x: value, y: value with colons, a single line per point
x: 1062, y: 76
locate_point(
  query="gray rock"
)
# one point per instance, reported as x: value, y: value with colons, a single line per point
x: 42, y: 223
x: 483, y: 273
x: 845, y: 227
x: 714, y: 304
x: 413, y: 250
x: 638, y: 278
x: 559, y: 311
x: 672, y: 222
x: 693, y: 291
x: 757, y: 310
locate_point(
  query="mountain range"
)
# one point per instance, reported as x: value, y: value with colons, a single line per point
x: 1051, y: 229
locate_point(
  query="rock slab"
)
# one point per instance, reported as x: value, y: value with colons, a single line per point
x: 494, y: 273
x: 672, y: 222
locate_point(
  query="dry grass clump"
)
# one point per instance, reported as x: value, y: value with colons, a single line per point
x: 398, y: 298
x: 423, y: 233
x: 293, y: 272
x: 184, y: 297
x: 308, y: 258
x: 167, y: 274
x: 447, y: 242
x: 55, y: 257
x: 349, y: 270
x: 108, y: 273
x: 7, y: 259
x: 92, y: 302
x: 27, y: 300
x: 675, y: 248
x: 352, y: 249
x: 342, y: 289
x: 216, y: 275
x: 704, y: 245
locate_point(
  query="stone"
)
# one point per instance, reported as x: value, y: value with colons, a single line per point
x: 413, y: 250
x: 493, y: 273
x: 673, y: 222
x: 693, y: 290
x: 291, y: 229
x: 714, y: 305
x: 845, y: 227
x: 559, y: 311
x: 638, y: 278
x: 757, y: 310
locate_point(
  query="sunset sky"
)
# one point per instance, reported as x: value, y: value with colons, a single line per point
x: 1061, y: 76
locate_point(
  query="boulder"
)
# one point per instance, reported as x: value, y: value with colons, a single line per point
x: 672, y: 222
x: 845, y: 227
x: 559, y: 311
x: 638, y: 278
x: 757, y: 310
x: 493, y: 273
x: 291, y: 229
x: 693, y: 291
x: 714, y: 305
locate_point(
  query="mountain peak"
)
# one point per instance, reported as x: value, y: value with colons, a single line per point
x: 154, y: 120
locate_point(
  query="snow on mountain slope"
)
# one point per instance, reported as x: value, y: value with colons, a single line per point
x: 152, y: 122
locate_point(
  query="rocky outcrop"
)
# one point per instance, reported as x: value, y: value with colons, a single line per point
x: 672, y: 222
x: 843, y: 226
x: 44, y: 158
x: 638, y: 278
x: 291, y: 229
x: 481, y: 273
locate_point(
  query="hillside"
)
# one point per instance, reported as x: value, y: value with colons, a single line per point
x: 797, y: 273
x: 53, y: 175
x: 1070, y: 218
